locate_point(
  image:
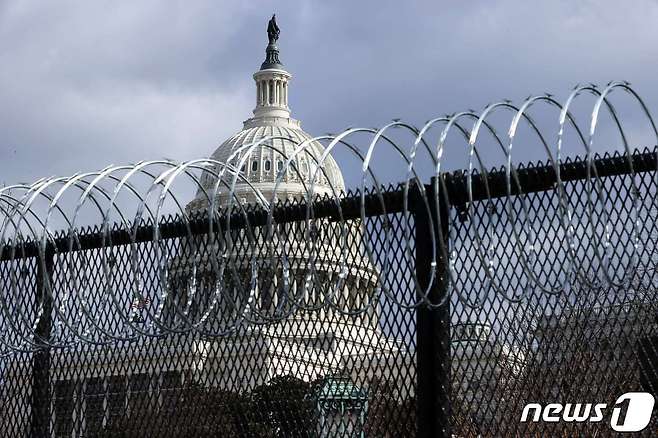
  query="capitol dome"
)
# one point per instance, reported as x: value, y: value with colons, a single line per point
x: 331, y: 309
x: 268, y: 159
x: 282, y: 135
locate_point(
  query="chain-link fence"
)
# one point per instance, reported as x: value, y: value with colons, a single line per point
x: 144, y: 336
x: 353, y: 318
x: 569, y: 320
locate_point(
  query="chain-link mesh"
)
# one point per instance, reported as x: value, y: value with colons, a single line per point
x: 308, y: 348
x: 569, y: 318
x: 552, y: 299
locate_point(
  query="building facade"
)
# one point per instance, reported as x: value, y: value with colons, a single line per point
x: 314, y: 340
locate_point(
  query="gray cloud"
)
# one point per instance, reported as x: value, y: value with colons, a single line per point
x: 86, y: 84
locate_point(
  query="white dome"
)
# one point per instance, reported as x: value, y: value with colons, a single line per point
x: 266, y: 160
x: 261, y: 168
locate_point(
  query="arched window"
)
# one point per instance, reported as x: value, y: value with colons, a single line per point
x: 268, y: 165
x: 279, y: 165
x: 254, y: 166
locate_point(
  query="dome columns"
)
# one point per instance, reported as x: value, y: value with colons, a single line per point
x: 272, y: 93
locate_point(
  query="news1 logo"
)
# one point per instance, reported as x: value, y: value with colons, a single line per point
x: 637, y: 407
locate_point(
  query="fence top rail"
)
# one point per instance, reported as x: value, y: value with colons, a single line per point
x: 530, y: 178
x: 387, y: 200
x: 542, y: 176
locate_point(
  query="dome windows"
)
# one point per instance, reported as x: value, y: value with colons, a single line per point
x: 281, y: 158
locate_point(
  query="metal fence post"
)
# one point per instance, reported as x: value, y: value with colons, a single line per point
x: 432, y: 325
x: 40, y: 397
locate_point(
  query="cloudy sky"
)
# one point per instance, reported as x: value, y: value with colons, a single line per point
x: 87, y: 84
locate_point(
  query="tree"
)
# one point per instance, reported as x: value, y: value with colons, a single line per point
x: 387, y: 415
x: 287, y: 405
x: 188, y: 412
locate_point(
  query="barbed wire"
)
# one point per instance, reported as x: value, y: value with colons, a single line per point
x: 28, y: 212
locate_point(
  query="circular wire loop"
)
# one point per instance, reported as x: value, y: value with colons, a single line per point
x: 234, y: 246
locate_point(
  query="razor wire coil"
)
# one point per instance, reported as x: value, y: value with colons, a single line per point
x: 75, y: 315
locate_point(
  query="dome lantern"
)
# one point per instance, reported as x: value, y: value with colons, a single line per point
x: 272, y: 119
x: 271, y: 82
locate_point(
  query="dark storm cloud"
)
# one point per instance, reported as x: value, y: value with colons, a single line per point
x: 86, y: 84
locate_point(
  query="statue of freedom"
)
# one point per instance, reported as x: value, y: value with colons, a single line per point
x: 273, y: 30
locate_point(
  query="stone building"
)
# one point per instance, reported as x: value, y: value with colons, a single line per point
x: 316, y: 339
x: 600, y: 346
x: 483, y: 367
x: 91, y: 385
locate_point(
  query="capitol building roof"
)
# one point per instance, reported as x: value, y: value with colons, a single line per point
x: 265, y: 161
x: 268, y: 140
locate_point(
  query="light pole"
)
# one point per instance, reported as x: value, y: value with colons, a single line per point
x: 342, y: 407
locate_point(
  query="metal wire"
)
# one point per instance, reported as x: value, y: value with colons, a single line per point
x: 151, y: 185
